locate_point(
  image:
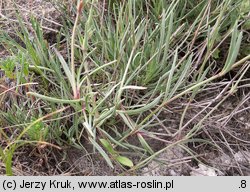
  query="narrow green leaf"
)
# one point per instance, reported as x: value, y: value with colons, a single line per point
x: 142, y: 109
x: 124, y: 161
x: 127, y: 121
x: 134, y: 87
x: 113, y: 140
x: 55, y: 100
x: 101, y: 151
x: 107, y: 146
x: 88, y: 128
x: 65, y: 68
x: 170, y: 77
x: 106, y: 114
x: 96, y: 70
x: 145, y: 144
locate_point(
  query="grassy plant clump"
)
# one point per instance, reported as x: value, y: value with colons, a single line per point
x: 113, y: 70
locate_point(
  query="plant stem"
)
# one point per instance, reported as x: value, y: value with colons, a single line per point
x: 75, y: 91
